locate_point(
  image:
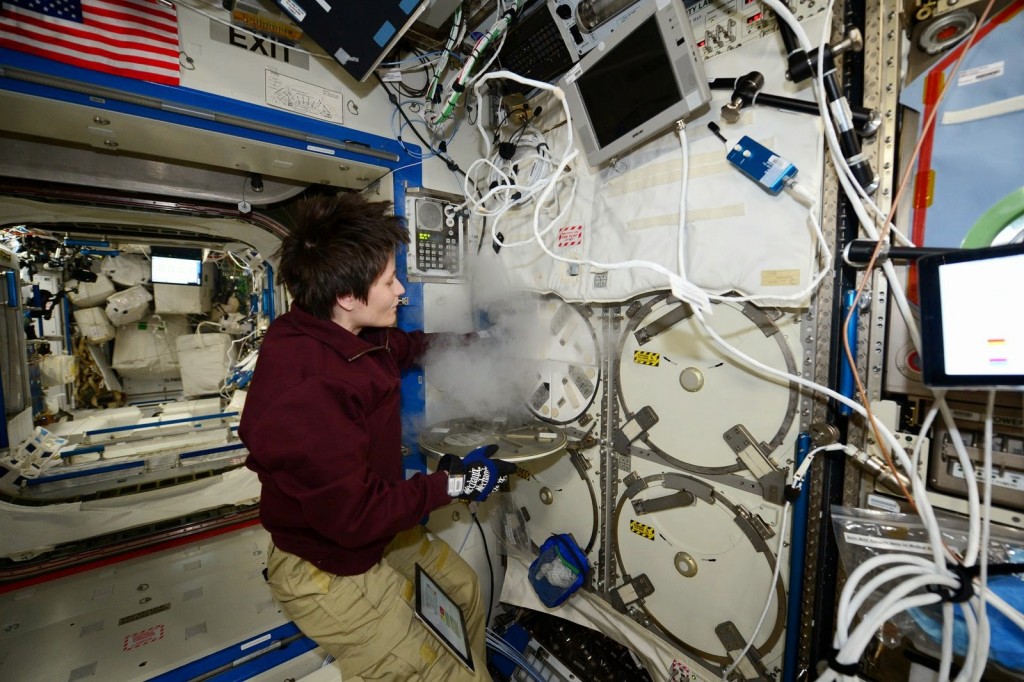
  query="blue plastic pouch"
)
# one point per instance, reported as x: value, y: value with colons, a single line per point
x: 559, y: 569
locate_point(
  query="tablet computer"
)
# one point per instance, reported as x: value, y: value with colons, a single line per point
x: 972, y: 325
x: 443, y: 617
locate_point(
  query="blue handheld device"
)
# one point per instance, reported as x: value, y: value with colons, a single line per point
x: 762, y: 165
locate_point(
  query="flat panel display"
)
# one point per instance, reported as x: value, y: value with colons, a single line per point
x: 173, y: 265
x: 636, y: 83
x: 972, y: 328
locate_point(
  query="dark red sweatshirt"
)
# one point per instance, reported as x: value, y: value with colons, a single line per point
x: 323, y: 428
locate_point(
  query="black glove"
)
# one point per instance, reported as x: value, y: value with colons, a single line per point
x: 475, y: 476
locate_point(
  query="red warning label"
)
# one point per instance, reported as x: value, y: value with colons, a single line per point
x: 147, y: 636
x: 570, y: 235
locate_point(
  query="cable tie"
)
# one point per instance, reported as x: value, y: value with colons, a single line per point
x: 961, y: 593
x: 791, y: 494
x: 842, y: 668
x: 1005, y: 569
x: 458, y: 87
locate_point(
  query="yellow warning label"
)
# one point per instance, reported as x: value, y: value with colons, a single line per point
x: 646, y: 357
x: 642, y: 530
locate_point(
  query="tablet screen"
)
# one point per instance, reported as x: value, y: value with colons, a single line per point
x: 442, y: 616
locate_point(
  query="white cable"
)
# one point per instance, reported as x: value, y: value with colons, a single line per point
x: 986, y: 510
x: 970, y: 482
x: 771, y: 594
x: 924, y: 505
x: 849, y: 603
x: 846, y: 613
x: 896, y: 601
x: 1015, y: 616
x: 684, y: 182
x: 858, y: 199
x: 507, y: 186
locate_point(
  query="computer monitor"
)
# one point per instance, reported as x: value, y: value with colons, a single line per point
x: 972, y: 327
x: 642, y: 79
x: 176, y: 265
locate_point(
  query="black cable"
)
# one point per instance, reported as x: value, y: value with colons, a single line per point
x: 429, y: 71
x: 518, y: 133
x: 449, y: 161
x: 490, y: 569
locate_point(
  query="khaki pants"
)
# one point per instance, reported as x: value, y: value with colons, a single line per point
x: 367, y: 621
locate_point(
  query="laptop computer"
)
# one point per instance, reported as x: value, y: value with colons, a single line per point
x: 443, y: 617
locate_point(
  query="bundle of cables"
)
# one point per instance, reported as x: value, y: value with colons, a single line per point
x: 513, y: 175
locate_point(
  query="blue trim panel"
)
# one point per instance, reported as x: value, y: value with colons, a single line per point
x: 797, y: 548
x: 5, y: 439
x: 65, y: 308
x: 81, y: 474
x: 12, y: 288
x: 268, y: 294
x: 410, y: 317
x: 846, y: 383
x: 153, y: 425
x: 212, y: 451
x: 243, y: 664
x: 83, y: 451
x: 102, y: 243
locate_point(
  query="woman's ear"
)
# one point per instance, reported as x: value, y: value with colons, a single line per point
x: 346, y: 302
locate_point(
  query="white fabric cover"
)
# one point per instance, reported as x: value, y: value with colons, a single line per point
x: 148, y: 349
x: 127, y: 270
x: 94, y: 325
x: 204, y: 360
x: 128, y: 306
x: 89, y: 294
x: 738, y: 236
x: 56, y: 370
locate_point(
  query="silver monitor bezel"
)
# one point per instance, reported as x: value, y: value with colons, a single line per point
x: 690, y: 101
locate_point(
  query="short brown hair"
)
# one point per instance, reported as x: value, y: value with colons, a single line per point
x: 340, y: 245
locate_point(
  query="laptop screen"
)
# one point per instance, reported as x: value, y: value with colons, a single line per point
x: 442, y: 616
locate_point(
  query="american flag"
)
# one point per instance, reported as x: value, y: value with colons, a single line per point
x: 131, y: 38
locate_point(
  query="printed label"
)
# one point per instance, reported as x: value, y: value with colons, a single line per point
x: 642, y: 529
x: 981, y: 73
x: 570, y: 235
x: 646, y: 357
x: 303, y: 98
x: 780, y: 278
x: 293, y: 9
x: 883, y: 503
x: 258, y: 640
x: 1001, y: 479
x: 574, y: 73
x: 143, y: 637
x: 888, y: 543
